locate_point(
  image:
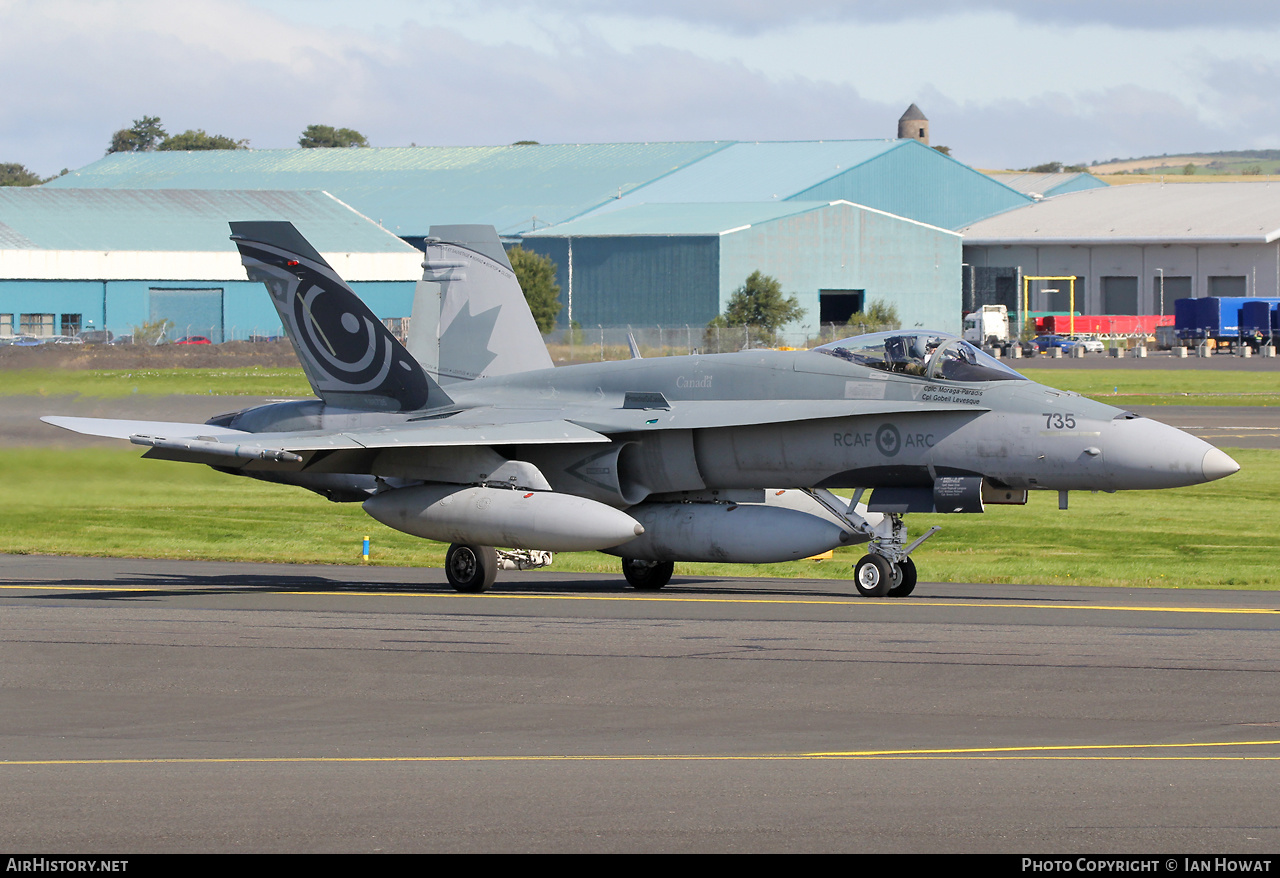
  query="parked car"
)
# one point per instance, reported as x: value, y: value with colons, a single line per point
x: 193, y: 339
x: 121, y: 339
x: 1049, y: 342
x: 1091, y: 345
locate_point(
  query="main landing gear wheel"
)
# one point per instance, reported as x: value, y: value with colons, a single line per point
x: 647, y: 575
x: 905, y: 581
x: 873, y: 576
x: 471, y: 569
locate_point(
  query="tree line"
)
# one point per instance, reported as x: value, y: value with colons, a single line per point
x: 149, y: 135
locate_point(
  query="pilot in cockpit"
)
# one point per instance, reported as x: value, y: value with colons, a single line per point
x: 909, y: 354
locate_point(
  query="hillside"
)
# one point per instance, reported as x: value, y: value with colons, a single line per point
x: 1243, y: 163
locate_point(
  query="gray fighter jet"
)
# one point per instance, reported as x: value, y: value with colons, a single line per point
x: 478, y: 441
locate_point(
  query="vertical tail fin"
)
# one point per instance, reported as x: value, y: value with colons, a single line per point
x: 350, y: 358
x: 470, y: 319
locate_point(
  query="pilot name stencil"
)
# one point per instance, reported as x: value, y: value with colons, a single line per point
x: 961, y: 395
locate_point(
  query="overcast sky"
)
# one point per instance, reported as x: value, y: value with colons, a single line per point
x: 1004, y: 83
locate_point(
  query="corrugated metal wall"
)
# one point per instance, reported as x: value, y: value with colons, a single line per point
x: 642, y: 280
x: 915, y: 267
x: 120, y: 305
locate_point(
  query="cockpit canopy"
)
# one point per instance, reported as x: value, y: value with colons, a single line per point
x: 932, y: 355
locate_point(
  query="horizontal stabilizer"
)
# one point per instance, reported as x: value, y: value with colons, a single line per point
x: 124, y: 429
x: 485, y: 428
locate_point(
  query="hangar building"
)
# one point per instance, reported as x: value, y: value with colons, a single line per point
x: 647, y: 220
x: 680, y: 263
x: 76, y: 259
x: 1134, y: 249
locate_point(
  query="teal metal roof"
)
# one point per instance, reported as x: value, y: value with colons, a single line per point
x: 1049, y: 185
x: 408, y: 189
x: 902, y: 177
x: 758, y: 172
x: 520, y: 189
x: 42, y: 218
x: 676, y: 219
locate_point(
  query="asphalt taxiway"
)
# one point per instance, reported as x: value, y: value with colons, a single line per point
x: 187, y: 706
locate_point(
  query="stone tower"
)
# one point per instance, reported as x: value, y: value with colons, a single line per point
x: 914, y: 125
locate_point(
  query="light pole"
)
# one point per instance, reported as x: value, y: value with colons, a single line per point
x: 1161, y: 270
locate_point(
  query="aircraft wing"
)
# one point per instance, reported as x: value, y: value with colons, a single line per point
x: 478, y: 427
x: 710, y: 414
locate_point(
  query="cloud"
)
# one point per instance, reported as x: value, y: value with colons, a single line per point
x: 599, y: 94
x: 244, y: 70
x: 88, y: 70
x: 1241, y: 93
x: 1118, y: 122
x: 750, y: 17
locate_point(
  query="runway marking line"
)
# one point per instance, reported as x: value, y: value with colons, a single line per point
x: 1062, y: 752
x: 677, y: 598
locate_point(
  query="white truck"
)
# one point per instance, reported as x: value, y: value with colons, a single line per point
x: 988, y: 327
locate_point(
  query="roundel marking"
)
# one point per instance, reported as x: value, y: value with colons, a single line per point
x: 888, y: 440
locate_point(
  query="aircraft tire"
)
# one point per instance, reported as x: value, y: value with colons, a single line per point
x: 646, y: 576
x: 905, y: 581
x: 873, y: 576
x: 471, y: 569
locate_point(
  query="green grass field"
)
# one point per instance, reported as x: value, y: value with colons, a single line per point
x: 117, y: 383
x: 1125, y: 387
x: 107, y: 502
x: 1120, y: 387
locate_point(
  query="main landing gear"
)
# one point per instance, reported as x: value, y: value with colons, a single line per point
x: 887, y: 569
x: 647, y: 575
x: 472, y: 569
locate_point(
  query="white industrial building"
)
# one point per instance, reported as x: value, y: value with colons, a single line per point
x: 1133, y: 249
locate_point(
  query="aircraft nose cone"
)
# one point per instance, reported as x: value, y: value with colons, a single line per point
x: 1218, y: 465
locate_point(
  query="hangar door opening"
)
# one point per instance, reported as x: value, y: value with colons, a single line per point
x: 837, y: 306
x: 1120, y: 295
x: 1228, y: 286
x: 192, y: 312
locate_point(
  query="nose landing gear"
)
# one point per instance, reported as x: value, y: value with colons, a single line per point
x: 887, y: 570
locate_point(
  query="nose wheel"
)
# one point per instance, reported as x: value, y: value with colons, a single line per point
x: 876, y: 576
x: 905, y: 580
x: 873, y: 576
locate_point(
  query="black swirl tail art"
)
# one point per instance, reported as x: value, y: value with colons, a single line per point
x: 350, y: 358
